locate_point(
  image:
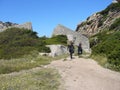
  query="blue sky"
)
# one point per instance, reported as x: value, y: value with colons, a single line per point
x: 45, y: 15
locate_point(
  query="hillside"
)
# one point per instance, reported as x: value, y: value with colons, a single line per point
x: 101, y: 20
x: 16, y: 42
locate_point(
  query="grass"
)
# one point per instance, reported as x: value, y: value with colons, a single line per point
x: 27, y: 62
x: 102, y: 60
x: 37, y: 79
x: 108, y: 46
x: 61, y: 57
x: 8, y: 66
x: 27, y: 74
x: 58, y: 39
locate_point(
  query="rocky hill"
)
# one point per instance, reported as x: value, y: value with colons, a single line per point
x: 5, y: 25
x: 100, y: 20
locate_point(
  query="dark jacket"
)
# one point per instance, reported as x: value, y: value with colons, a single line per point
x: 79, y: 48
x: 71, y: 48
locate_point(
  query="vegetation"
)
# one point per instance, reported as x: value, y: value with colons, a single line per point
x: 36, y: 79
x: 108, y: 45
x: 27, y: 62
x: 112, y: 7
x: 19, y: 49
x: 19, y: 53
x: 16, y: 42
x: 59, y: 39
x: 115, y: 25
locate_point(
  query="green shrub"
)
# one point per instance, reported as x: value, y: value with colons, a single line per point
x: 112, y: 7
x: 115, y: 25
x: 58, y: 39
x: 109, y: 45
x: 16, y: 42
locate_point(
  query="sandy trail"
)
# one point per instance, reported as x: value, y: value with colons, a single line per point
x: 86, y: 74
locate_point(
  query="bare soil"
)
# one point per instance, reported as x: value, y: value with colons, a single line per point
x: 85, y: 74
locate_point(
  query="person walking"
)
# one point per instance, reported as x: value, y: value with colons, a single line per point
x: 71, y: 49
x: 80, y: 51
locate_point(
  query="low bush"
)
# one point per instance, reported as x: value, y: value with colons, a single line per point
x: 115, y: 25
x: 35, y: 79
x: 112, y: 7
x: 58, y: 39
x: 16, y: 42
x: 109, y: 46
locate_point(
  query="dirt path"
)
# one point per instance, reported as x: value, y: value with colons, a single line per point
x: 86, y: 74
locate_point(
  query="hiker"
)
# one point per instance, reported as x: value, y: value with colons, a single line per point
x: 79, y: 49
x: 71, y: 49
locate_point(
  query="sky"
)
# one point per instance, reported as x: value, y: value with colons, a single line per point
x: 45, y: 15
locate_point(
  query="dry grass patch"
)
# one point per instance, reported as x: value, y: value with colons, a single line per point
x: 34, y: 79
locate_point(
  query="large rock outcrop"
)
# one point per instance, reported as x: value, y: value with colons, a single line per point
x: 57, y: 50
x: 73, y: 36
x: 100, y: 21
x: 6, y: 25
